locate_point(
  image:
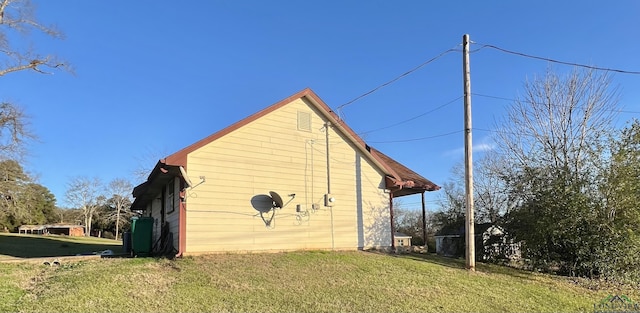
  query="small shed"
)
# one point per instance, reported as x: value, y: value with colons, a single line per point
x: 491, y: 242
x: 402, y: 242
x: 450, y: 240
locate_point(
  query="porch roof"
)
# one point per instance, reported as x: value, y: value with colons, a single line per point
x: 409, y: 181
x: 160, y: 175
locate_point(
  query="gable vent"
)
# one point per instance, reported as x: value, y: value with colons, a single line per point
x: 304, y: 121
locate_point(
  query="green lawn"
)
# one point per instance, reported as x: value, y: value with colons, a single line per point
x: 14, y: 246
x: 289, y: 282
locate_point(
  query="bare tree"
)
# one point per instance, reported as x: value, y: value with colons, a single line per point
x: 146, y: 161
x: 120, y: 192
x: 491, y: 194
x: 17, y: 20
x: 84, y: 193
x: 552, y: 141
x: 17, y: 16
x: 491, y: 200
x: 558, y: 120
x: 14, y: 131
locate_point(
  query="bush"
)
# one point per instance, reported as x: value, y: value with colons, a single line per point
x: 431, y: 244
x: 108, y: 235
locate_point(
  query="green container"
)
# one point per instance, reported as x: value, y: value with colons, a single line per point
x: 141, y: 235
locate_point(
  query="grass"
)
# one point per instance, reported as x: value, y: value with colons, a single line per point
x: 14, y: 246
x: 289, y: 282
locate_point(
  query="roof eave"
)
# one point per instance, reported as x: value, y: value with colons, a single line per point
x: 161, y: 174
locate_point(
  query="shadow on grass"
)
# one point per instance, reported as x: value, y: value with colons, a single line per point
x: 461, y: 264
x: 35, y: 246
x: 434, y: 259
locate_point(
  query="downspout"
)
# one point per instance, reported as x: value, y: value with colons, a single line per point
x: 185, y: 183
x: 182, y: 223
x: 393, y: 239
x: 326, y: 128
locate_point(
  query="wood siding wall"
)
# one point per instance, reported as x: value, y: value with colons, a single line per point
x: 173, y: 213
x: 272, y: 154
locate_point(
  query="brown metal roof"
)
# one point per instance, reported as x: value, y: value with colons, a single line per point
x: 159, y: 177
x: 413, y: 182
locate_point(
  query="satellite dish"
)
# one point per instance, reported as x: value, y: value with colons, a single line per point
x: 262, y: 203
x: 277, y: 200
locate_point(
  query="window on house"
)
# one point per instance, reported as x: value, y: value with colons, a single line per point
x: 170, y: 200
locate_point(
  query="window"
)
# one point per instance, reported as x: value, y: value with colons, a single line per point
x: 170, y: 199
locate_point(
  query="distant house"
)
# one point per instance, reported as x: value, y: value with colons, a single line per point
x: 32, y: 229
x: 293, y: 176
x: 53, y: 229
x: 499, y: 245
x: 65, y: 229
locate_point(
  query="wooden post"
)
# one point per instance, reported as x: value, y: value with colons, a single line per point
x: 393, y: 229
x: 424, y: 224
x: 468, y: 158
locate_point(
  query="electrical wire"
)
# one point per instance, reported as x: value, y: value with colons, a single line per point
x: 512, y: 133
x: 395, y: 79
x: 557, y: 61
x: 411, y: 119
x: 418, y: 139
x: 419, y: 202
x: 531, y: 102
x: 491, y: 130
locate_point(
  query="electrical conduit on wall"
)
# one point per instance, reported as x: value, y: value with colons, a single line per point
x: 326, y: 129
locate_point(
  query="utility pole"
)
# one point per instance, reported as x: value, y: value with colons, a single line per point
x: 468, y: 158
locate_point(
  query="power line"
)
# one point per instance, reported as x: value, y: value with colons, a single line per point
x: 532, y: 102
x: 493, y: 97
x: 557, y: 61
x: 417, y: 139
x: 419, y: 202
x: 513, y: 133
x: 411, y: 119
x: 395, y: 79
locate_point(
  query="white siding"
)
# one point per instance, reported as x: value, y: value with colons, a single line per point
x: 155, y: 213
x: 171, y: 217
x: 271, y: 154
x: 172, y: 213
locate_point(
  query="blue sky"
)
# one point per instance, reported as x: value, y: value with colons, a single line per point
x: 152, y: 77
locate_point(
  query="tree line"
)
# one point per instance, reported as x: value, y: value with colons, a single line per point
x: 22, y: 199
x: 94, y: 205
x: 562, y: 180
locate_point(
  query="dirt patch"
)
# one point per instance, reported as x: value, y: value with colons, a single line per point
x: 36, y: 284
x: 161, y: 274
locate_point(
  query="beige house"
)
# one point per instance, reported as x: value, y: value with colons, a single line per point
x: 290, y: 177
